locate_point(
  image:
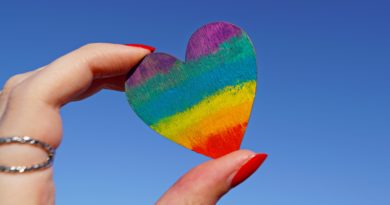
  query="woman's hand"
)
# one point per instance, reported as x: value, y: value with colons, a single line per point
x: 30, y: 105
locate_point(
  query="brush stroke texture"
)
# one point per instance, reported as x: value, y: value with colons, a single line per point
x: 203, y: 104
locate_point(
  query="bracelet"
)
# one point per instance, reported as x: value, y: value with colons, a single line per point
x: 30, y: 141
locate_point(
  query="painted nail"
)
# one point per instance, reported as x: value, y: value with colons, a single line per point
x: 248, y: 169
x: 150, y: 48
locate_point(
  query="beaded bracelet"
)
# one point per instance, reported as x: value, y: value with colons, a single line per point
x: 30, y: 141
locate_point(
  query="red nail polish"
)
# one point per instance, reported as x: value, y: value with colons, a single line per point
x: 150, y: 48
x: 248, y: 169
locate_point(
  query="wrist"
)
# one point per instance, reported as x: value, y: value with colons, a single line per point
x: 35, y: 188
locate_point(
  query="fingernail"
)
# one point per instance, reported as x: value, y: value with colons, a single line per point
x: 150, y: 48
x: 248, y: 169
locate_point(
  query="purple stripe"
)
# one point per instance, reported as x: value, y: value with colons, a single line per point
x: 158, y: 63
x: 207, y: 39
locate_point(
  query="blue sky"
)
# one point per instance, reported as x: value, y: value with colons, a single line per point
x: 321, y: 112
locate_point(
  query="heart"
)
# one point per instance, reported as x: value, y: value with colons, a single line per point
x: 203, y: 104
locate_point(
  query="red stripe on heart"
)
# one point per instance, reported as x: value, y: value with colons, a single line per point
x: 222, y: 143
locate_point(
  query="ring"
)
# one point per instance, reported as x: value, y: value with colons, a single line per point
x: 30, y: 141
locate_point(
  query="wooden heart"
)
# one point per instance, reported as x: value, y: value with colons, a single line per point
x: 203, y: 104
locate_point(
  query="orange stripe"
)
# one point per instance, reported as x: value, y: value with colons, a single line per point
x: 217, y: 122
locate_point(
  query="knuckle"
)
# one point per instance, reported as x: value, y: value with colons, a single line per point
x: 13, y: 91
x: 12, y: 82
x: 19, y: 94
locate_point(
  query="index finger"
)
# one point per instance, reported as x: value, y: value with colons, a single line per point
x: 73, y: 73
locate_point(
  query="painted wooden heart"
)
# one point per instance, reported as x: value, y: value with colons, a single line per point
x: 203, y: 104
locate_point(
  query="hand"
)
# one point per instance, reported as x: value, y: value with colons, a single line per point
x: 30, y: 105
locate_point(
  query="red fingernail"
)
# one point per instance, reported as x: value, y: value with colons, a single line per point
x: 248, y: 169
x: 150, y: 48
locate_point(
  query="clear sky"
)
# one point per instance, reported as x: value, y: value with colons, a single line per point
x: 322, y: 110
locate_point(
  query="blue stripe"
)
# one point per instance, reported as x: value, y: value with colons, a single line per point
x: 193, y: 90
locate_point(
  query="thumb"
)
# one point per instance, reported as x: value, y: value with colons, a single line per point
x: 208, y: 182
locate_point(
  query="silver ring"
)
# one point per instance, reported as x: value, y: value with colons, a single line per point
x: 30, y: 141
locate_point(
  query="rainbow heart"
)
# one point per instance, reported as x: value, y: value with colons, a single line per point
x: 203, y: 104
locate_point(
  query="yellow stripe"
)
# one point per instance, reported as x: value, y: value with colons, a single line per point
x: 226, y: 108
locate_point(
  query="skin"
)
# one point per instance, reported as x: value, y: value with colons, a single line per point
x: 30, y: 105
